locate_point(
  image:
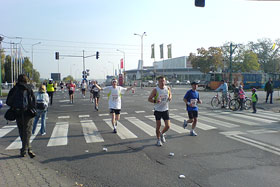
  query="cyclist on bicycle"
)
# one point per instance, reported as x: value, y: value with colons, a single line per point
x: 224, y: 88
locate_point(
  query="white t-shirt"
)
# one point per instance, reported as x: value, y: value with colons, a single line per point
x: 84, y: 85
x: 114, y: 95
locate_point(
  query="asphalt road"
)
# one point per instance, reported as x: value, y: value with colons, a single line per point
x: 231, y: 149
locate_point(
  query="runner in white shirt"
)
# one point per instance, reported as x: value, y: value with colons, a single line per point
x: 114, y: 96
x: 84, y: 87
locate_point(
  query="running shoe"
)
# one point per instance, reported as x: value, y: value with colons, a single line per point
x: 96, y: 108
x: 159, y: 143
x: 185, y: 124
x: 162, y: 137
x: 193, y: 133
x: 115, y: 130
x: 44, y: 134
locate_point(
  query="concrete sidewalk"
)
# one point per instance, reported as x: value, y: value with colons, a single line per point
x: 26, y: 172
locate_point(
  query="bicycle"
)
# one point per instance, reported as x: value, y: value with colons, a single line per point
x: 235, y: 104
x: 217, y: 101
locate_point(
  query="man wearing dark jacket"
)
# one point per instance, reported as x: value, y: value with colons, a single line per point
x: 269, y: 90
x: 21, y: 105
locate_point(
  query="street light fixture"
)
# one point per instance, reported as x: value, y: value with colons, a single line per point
x: 32, y: 58
x: 141, y: 35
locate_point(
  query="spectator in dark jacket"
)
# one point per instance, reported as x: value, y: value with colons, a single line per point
x: 269, y: 90
x: 23, y: 119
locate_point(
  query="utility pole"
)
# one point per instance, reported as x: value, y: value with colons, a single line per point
x: 1, y: 39
x: 231, y: 51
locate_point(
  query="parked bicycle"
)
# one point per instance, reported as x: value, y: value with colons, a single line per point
x: 217, y: 101
x: 235, y: 104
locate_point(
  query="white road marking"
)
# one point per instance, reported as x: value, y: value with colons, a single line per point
x: 17, y: 143
x: 254, y: 143
x: 137, y: 112
x: 123, y: 132
x: 199, y: 124
x: 261, y: 131
x: 103, y: 114
x: 59, y: 134
x: 218, y: 122
x: 173, y: 126
x: 6, y: 129
x: 91, y: 132
x: 63, y: 117
x: 83, y: 116
x: 142, y: 125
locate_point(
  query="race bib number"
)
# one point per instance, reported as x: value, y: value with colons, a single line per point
x: 115, y: 97
x: 194, y: 102
x: 72, y: 88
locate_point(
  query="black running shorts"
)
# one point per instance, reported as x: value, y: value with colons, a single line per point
x: 164, y: 115
x: 193, y: 114
x: 116, y: 111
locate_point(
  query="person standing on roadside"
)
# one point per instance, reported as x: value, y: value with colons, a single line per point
x: 191, y: 99
x: 21, y: 98
x: 269, y: 90
x: 254, y: 100
x: 42, y: 101
x: 50, y: 90
x: 161, y: 96
x: 224, y: 88
x: 71, y: 87
x: 114, y: 99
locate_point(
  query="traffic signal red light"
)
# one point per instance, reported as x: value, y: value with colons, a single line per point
x: 57, y: 55
x: 199, y: 3
x: 97, y: 54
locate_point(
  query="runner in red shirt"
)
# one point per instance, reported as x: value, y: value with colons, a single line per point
x: 71, y: 87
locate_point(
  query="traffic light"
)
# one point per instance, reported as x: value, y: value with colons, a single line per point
x: 199, y: 3
x: 97, y: 54
x: 56, y: 55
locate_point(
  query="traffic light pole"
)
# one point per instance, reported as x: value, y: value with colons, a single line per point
x: 231, y: 51
x: 84, y: 57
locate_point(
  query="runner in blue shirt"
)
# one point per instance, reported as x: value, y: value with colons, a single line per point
x: 192, y: 99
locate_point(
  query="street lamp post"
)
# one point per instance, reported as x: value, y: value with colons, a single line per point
x: 124, y: 77
x: 32, y: 59
x: 1, y: 39
x: 141, y: 35
x: 113, y: 67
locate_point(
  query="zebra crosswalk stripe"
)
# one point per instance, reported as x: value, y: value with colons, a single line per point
x: 218, y: 122
x: 254, y: 118
x: 6, y: 129
x: 17, y: 144
x: 123, y: 132
x: 173, y: 126
x: 199, y: 124
x: 59, y: 134
x: 142, y: 125
x: 91, y: 132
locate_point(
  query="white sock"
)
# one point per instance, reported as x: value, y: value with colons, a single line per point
x: 115, y: 127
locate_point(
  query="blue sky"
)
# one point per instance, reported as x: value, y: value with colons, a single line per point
x: 70, y: 26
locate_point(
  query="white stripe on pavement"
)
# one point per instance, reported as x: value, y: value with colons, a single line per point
x: 123, y: 132
x: 6, y: 129
x: 63, y: 117
x: 91, y: 132
x: 137, y: 112
x: 59, y: 134
x: 17, y: 144
x: 261, y: 131
x: 228, y: 117
x: 199, y: 124
x: 254, y: 118
x: 173, y: 126
x: 103, y: 114
x: 83, y: 116
x: 142, y: 125
x: 218, y: 122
